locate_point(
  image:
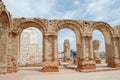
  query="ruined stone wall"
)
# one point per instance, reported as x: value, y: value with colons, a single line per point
x: 11, y: 28
x: 30, y: 55
x: 5, y: 25
x: 3, y: 45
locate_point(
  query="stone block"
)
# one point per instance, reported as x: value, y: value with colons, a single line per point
x: 75, y: 61
x: 114, y: 64
x: 49, y: 66
x: 98, y: 61
x: 86, y: 65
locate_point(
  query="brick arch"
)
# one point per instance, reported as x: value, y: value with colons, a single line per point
x: 70, y: 24
x: 107, y: 31
x: 105, y: 28
x: 30, y: 23
x: 76, y: 28
x: 101, y: 26
x: 73, y: 25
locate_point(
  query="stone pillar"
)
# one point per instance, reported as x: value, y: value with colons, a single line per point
x: 78, y: 53
x: 3, y: 48
x: 115, y: 62
x: 14, y: 52
x: 44, y: 48
x: 66, y: 50
x: 55, y: 49
x: 9, y: 55
x: 109, y: 52
x: 108, y: 55
x: 91, y: 57
x: 86, y: 62
x: 96, y: 44
x: 119, y: 47
x: 50, y: 48
x: 50, y: 63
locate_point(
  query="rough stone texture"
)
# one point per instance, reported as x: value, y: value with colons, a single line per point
x: 84, y: 65
x: 3, y: 41
x: 49, y: 66
x: 76, y: 60
x: 96, y: 45
x: 114, y: 64
x: 11, y: 28
x: 30, y: 54
x: 12, y: 65
x: 66, y: 50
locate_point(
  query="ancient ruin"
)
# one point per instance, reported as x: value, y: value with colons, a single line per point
x: 11, y: 28
x: 30, y: 52
x: 66, y: 50
x: 96, y: 45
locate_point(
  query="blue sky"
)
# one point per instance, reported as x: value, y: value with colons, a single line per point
x: 95, y: 10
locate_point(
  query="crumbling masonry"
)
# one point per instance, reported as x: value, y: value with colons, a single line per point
x: 11, y: 28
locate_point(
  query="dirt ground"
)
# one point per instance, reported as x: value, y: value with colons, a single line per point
x: 34, y: 73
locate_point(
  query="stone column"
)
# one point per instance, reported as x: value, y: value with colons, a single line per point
x: 9, y: 55
x: 108, y: 55
x: 66, y: 50
x: 109, y: 52
x: 115, y: 61
x: 3, y: 48
x: 119, y: 47
x: 13, y: 57
x: 91, y: 57
x: 55, y: 42
x: 86, y: 62
x: 50, y: 47
x: 44, y: 48
x: 78, y: 53
x: 116, y: 54
x: 50, y: 63
x: 96, y: 44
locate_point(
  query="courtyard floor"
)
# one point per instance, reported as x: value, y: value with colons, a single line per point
x: 34, y: 73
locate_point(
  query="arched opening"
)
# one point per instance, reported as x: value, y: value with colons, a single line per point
x: 99, y: 50
x: 30, y: 54
x: 17, y: 33
x: 76, y: 28
x: 66, y: 45
x: 106, y: 30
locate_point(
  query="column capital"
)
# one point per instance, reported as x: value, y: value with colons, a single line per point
x: 50, y: 34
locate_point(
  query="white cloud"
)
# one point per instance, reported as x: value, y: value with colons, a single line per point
x: 76, y: 2
x: 30, y: 8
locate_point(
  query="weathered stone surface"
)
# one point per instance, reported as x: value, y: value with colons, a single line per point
x: 49, y: 66
x: 12, y: 65
x: 30, y: 54
x: 76, y: 60
x: 114, y: 64
x: 84, y: 65
x: 66, y: 50
x: 96, y: 45
x: 11, y: 28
